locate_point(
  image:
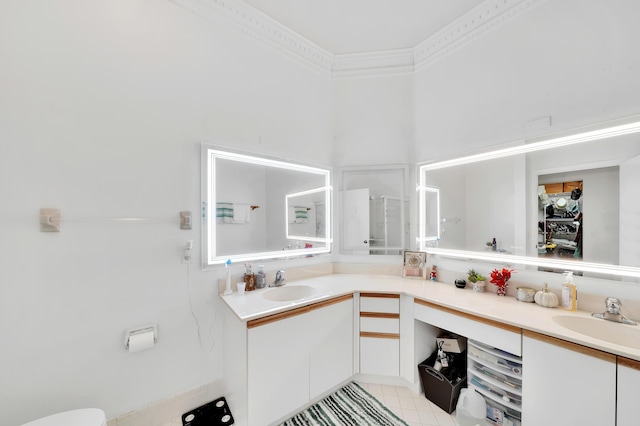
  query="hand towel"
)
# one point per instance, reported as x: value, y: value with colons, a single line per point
x: 224, y: 212
x: 241, y: 213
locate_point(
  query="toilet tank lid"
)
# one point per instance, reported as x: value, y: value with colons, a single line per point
x: 81, y: 417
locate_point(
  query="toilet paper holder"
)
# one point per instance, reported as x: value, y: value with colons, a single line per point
x: 140, y: 330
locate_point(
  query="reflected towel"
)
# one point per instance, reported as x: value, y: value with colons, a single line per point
x: 224, y: 212
x: 297, y: 214
x: 241, y: 213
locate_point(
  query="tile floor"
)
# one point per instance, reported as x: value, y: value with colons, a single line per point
x: 412, y: 408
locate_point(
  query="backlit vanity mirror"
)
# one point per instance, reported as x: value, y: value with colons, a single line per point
x: 374, y: 210
x: 524, y: 197
x: 260, y: 208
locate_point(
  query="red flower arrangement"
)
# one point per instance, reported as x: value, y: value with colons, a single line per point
x: 501, y: 280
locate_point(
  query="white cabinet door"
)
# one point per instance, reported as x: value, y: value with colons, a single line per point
x: 628, y: 380
x: 566, y: 384
x: 278, y: 369
x: 298, y: 357
x: 380, y: 356
x: 331, y: 346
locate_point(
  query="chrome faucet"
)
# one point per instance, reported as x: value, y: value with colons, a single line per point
x: 279, y: 281
x: 613, y: 312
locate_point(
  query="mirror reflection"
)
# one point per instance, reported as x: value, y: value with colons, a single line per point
x: 576, y: 203
x: 305, y: 217
x: 477, y: 205
x: 249, y: 201
x: 430, y: 213
x: 375, y: 210
x: 587, y: 204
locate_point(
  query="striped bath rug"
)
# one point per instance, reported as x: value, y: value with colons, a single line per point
x: 351, y: 405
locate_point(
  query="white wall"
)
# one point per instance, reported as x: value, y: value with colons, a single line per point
x: 103, y: 108
x: 373, y: 120
x: 564, y: 59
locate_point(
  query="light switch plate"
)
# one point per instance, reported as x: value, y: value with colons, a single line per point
x: 185, y: 220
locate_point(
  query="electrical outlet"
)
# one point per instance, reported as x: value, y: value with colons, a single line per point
x: 188, y: 252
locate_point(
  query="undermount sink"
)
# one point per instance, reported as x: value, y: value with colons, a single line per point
x: 289, y: 293
x: 609, y: 331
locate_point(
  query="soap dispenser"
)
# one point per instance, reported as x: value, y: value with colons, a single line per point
x: 261, y: 278
x: 569, y: 293
x: 249, y: 278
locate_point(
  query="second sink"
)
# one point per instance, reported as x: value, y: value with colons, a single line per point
x: 289, y: 293
x: 612, y: 332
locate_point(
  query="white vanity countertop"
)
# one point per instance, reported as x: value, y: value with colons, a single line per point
x: 506, y: 310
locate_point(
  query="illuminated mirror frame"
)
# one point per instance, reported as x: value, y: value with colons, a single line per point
x: 209, y: 255
x: 425, y: 190
x: 288, y: 220
x: 601, y: 131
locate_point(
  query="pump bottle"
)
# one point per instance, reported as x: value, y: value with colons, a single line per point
x: 261, y: 278
x: 249, y: 278
x: 569, y: 293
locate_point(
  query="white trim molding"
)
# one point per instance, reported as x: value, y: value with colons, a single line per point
x: 483, y: 18
x: 249, y: 20
x: 373, y: 63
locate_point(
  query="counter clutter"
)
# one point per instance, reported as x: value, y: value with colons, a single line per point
x: 506, y: 310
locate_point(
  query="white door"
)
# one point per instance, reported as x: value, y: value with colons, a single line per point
x: 355, y: 208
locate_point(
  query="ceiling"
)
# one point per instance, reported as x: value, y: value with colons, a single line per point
x: 354, y: 38
x: 358, y: 26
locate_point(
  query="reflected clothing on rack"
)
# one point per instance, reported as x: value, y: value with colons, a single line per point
x: 578, y: 240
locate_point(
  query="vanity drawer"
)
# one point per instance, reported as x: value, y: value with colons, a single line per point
x: 492, y: 333
x: 379, y: 325
x: 383, y: 302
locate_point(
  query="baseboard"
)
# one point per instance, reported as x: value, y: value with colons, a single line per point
x: 388, y: 380
x: 170, y: 410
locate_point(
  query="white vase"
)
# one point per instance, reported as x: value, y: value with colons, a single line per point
x: 478, y: 286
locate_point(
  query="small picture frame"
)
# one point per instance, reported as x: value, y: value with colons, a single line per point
x: 415, y: 264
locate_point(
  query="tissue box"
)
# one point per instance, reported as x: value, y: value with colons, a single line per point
x: 452, y: 343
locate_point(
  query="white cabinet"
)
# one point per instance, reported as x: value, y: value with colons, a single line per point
x: 380, y: 334
x: 296, y: 356
x: 330, y: 347
x: 278, y: 369
x: 628, y: 380
x: 566, y: 384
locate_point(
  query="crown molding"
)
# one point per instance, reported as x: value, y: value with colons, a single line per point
x: 250, y: 21
x: 399, y: 61
x: 479, y: 20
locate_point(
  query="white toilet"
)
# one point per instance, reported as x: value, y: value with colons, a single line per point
x: 82, y: 417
